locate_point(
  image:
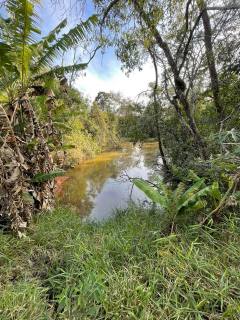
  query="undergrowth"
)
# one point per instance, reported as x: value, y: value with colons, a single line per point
x: 124, y: 268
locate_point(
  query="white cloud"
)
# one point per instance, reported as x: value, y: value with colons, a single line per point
x: 129, y: 86
x: 107, y: 76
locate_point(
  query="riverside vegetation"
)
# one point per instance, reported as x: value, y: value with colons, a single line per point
x: 177, y: 258
x: 124, y: 268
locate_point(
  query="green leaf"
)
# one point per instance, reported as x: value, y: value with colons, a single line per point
x: 60, y: 71
x: 195, y: 187
x: 150, y: 191
x: 74, y: 37
x: 43, y: 177
x: 200, y: 204
x: 193, y: 198
x: 215, y: 192
x: 21, y: 31
x: 52, y: 36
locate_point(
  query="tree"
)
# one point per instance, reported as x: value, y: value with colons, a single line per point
x: 108, y: 101
x: 147, y: 16
x: 174, y: 29
x: 156, y: 111
x: 210, y: 56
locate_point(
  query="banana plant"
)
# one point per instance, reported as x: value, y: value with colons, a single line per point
x: 27, y: 63
x: 181, y: 199
x: 26, y: 58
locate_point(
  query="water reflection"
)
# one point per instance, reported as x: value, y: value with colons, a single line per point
x: 99, y: 186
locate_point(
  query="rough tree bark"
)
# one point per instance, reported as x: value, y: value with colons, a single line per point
x: 210, y: 57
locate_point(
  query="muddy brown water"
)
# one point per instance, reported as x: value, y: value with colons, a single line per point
x: 98, y: 187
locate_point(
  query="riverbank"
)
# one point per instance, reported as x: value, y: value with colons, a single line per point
x: 124, y: 268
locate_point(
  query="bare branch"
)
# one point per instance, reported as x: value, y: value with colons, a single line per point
x: 185, y: 52
x: 187, y: 13
x: 234, y: 7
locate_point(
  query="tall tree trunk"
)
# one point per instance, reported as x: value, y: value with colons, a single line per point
x: 210, y: 57
x: 156, y: 113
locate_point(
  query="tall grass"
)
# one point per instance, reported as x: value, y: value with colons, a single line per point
x: 124, y: 268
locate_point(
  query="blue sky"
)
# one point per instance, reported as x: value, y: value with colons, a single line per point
x: 104, y: 72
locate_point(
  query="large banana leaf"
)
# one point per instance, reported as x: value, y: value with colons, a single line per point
x: 52, y: 36
x: 193, y: 198
x: 193, y: 189
x: 75, y: 36
x: 22, y: 30
x: 62, y: 70
x: 40, y: 48
x: 151, y: 192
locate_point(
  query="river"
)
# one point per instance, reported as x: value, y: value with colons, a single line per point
x: 98, y: 187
